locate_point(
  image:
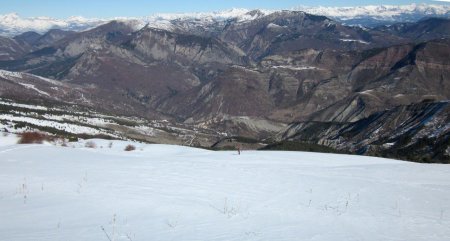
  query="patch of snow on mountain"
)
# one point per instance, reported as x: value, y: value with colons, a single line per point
x: 145, y: 130
x: 9, y: 74
x: 135, y: 24
x: 51, y: 81
x: 294, y: 67
x: 354, y: 40
x: 30, y: 86
x: 71, y: 128
x: 274, y: 26
x: 25, y: 106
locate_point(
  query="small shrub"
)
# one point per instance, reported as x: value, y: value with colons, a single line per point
x: 73, y: 139
x: 19, y: 125
x: 33, y: 138
x: 130, y: 148
x: 90, y: 144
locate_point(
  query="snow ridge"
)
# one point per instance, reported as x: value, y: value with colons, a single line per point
x: 12, y: 23
x: 382, y: 12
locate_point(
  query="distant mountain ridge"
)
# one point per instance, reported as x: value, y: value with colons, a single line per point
x: 372, y: 15
x: 12, y: 24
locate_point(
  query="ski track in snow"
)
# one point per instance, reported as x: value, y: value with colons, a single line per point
x: 164, y: 192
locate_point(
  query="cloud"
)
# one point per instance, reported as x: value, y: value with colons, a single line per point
x: 448, y: 1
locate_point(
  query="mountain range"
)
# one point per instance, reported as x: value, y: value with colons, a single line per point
x: 274, y: 77
x: 12, y: 24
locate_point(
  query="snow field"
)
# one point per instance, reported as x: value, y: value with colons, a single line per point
x: 163, y: 192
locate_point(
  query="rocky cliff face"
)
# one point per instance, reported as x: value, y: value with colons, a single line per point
x: 418, y: 132
x: 397, y: 75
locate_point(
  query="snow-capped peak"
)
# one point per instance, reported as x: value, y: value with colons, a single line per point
x: 240, y: 14
x: 232, y: 13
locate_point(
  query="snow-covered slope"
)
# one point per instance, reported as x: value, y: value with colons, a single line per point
x: 12, y: 24
x: 66, y: 120
x: 162, y: 192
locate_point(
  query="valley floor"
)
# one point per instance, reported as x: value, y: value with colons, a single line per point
x: 163, y: 192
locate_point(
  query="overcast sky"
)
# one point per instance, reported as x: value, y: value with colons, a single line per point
x: 137, y: 8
